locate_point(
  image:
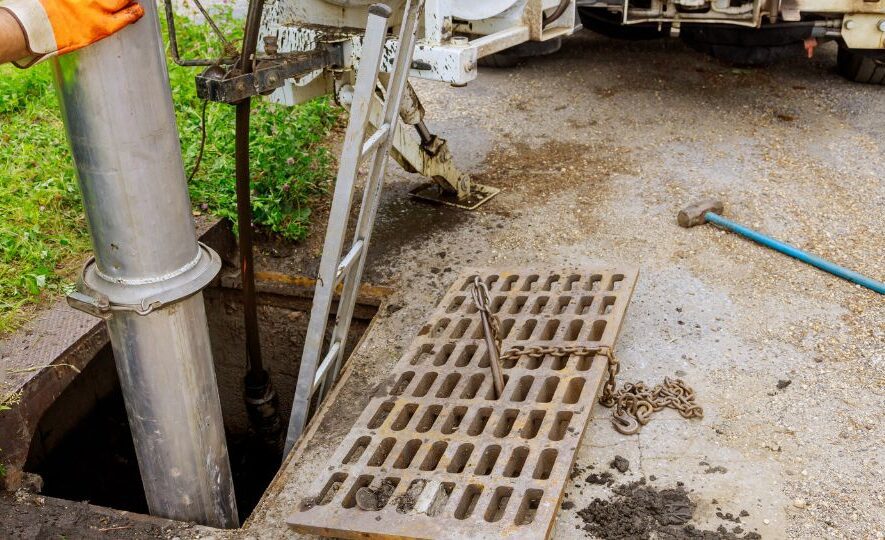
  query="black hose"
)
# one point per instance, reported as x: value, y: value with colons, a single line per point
x: 560, y: 9
x: 244, y: 221
x: 261, y: 400
x: 244, y: 203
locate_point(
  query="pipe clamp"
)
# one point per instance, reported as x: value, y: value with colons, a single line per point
x: 100, y: 297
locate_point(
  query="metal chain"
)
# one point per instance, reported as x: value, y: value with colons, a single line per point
x: 633, y: 403
x: 482, y: 301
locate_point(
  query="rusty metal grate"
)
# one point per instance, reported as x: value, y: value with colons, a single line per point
x: 441, y: 457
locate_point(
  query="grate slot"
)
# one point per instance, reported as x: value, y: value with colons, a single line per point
x: 516, y: 463
x: 459, y: 460
x: 498, y: 504
x: 357, y: 450
x: 545, y: 464
x: 468, y: 502
x: 433, y: 457
x: 327, y: 494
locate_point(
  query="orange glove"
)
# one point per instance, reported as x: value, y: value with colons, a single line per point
x: 60, y: 26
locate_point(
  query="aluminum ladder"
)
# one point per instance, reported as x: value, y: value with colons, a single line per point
x: 315, y: 375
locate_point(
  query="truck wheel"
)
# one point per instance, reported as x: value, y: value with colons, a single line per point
x: 514, y: 55
x: 499, y: 61
x: 746, y: 46
x: 609, y: 24
x: 861, y: 65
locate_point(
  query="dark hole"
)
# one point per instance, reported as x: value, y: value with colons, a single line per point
x: 468, y: 501
x: 487, y: 461
x: 82, y: 447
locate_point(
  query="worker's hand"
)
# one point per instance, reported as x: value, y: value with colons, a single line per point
x: 60, y: 26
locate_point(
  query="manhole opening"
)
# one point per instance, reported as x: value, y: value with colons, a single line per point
x: 82, y: 447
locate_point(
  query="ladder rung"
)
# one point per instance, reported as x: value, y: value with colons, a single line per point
x: 324, y: 366
x: 347, y: 262
x: 374, y: 140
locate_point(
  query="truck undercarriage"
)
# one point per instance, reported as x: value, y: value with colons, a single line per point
x: 456, y: 37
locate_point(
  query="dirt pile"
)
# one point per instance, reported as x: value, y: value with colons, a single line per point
x: 620, y: 463
x: 600, y: 479
x: 375, y: 499
x: 639, y: 511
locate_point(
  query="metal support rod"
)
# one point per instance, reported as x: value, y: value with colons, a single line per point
x: 173, y: 42
x: 261, y: 399
x: 118, y: 113
x: 244, y: 203
x: 797, y: 253
x: 494, y: 356
x: 250, y: 34
x: 424, y: 133
x: 244, y: 230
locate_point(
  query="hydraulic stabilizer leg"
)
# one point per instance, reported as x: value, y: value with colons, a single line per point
x: 427, y: 155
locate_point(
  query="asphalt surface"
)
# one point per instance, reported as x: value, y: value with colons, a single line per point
x: 596, y: 148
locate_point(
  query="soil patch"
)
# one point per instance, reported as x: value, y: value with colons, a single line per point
x: 620, y: 463
x: 34, y: 517
x: 639, y: 511
x: 553, y: 167
x: 375, y: 499
x: 600, y: 479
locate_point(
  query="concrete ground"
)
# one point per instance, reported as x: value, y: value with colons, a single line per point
x: 596, y: 148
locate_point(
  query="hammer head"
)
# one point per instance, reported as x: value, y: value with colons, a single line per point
x: 694, y: 214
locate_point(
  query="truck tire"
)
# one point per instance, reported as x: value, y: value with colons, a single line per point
x: 746, y: 46
x: 861, y: 65
x: 500, y: 60
x: 514, y: 55
x: 609, y: 24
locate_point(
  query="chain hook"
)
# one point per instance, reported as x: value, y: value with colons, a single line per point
x: 625, y: 424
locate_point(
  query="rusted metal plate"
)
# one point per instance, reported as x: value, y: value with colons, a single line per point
x: 440, y: 456
x: 479, y: 195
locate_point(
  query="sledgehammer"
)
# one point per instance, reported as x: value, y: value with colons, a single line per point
x: 709, y: 210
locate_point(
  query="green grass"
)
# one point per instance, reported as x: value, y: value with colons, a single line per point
x: 43, y: 237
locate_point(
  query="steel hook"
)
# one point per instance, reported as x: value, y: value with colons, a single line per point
x: 625, y: 424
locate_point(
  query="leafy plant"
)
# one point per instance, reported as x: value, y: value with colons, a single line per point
x: 288, y: 163
x: 43, y: 235
x: 41, y: 222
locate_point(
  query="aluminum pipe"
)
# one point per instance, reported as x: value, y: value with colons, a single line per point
x: 148, y: 270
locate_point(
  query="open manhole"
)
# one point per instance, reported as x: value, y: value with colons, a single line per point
x: 82, y: 447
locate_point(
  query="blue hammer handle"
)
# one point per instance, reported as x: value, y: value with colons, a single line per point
x: 797, y: 253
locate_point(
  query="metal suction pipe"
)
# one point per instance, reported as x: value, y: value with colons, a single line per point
x: 149, y: 270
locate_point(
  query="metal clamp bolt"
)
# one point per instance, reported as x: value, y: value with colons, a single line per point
x: 881, y: 26
x: 270, y: 45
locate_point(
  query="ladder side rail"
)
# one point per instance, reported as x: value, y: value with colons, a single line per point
x: 372, y: 194
x: 367, y: 75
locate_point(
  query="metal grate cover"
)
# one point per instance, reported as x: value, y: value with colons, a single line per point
x: 441, y: 457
